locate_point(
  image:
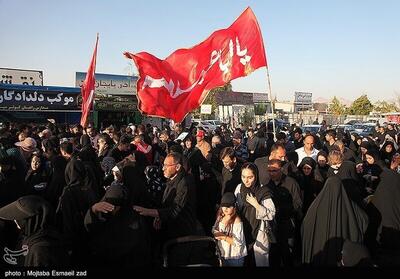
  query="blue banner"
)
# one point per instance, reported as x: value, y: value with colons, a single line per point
x: 39, y: 98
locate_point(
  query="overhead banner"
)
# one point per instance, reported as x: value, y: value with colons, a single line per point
x: 34, y: 98
x: 227, y: 98
x: 110, y: 84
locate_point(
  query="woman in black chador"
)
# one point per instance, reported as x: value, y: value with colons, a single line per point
x: 42, y: 242
x: 117, y: 234
x: 387, y: 151
x: 36, y: 177
x: 386, y: 199
x: 331, y: 219
x: 75, y: 200
x: 310, y: 181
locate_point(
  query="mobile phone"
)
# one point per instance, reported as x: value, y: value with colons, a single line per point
x: 217, y: 233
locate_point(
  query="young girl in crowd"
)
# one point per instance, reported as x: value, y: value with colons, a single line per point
x: 228, y: 230
x: 255, y: 205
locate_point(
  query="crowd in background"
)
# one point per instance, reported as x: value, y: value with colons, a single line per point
x: 83, y: 197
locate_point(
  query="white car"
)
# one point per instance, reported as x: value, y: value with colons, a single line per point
x: 208, y: 127
x: 359, y: 128
x: 214, y: 122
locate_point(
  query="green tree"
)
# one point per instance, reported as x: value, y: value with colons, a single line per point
x: 211, y: 100
x: 361, y: 106
x: 383, y: 107
x: 336, y: 107
x: 247, y: 117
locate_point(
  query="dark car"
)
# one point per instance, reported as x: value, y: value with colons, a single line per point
x: 279, y: 125
x: 368, y: 130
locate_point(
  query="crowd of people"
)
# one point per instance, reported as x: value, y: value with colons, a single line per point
x: 74, y: 196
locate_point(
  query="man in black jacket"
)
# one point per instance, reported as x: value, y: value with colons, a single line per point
x: 177, y: 215
x: 121, y: 151
x: 286, y: 196
x: 278, y: 152
x: 231, y: 173
x: 254, y: 145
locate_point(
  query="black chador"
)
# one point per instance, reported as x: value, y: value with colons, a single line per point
x: 331, y: 218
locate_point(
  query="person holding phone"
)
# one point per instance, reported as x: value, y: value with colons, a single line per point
x: 228, y: 231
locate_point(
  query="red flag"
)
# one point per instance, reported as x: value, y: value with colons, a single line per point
x: 175, y: 86
x: 87, y: 88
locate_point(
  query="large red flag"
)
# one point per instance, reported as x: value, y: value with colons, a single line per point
x: 175, y: 86
x: 87, y: 88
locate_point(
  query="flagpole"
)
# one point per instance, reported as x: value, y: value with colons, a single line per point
x: 272, y: 106
x: 94, y: 93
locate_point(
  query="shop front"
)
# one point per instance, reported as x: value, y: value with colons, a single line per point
x: 28, y: 104
x: 115, y: 99
x: 115, y: 110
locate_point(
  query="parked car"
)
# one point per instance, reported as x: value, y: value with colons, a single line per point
x: 207, y: 126
x: 369, y: 129
x: 353, y: 122
x: 279, y: 124
x: 214, y: 122
x: 313, y: 129
x: 345, y: 128
x: 358, y: 128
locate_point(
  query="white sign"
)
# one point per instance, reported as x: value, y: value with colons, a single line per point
x: 205, y: 109
x: 302, y: 97
x: 182, y: 136
x: 110, y: 84
x: 24, y: 77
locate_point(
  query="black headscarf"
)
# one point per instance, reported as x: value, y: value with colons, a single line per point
x: 385, y: 156
x: 75, y: 200
x: 35, y: 177
x: 353, y: 145
x: 248, y: 212
x: 366, y: 144
x: 133, y: 179
x: 374, y: 154
x: 311, y: 184
x: 35, y: 217
x: 374, y: 169
x: 118, y: 239
x: 308, y: 161
x: 331, y: 219
x: 323, y: 170
x: 116, y: 194
x: 39, y: 215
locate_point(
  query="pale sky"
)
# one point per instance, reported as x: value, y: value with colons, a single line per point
x: 344, y: 47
